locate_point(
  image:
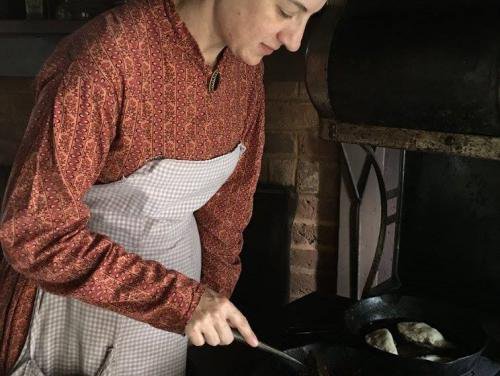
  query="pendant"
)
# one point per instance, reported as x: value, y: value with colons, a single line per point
x: 214, y: 81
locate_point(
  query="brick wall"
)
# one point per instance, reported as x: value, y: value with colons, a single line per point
x: 296, y: 156
x: 16, y: 101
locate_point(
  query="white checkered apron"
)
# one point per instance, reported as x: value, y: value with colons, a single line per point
x: 150, y: 213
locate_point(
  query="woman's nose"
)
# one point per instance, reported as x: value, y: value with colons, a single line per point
x: 292, y: 37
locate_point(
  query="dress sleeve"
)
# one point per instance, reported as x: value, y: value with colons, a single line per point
x: 43, y: 229
x: 223, y: 218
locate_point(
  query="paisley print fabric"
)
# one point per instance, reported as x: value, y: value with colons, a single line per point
x: 128, y: 87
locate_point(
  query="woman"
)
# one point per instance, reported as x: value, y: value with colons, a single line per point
x: 123, y: 218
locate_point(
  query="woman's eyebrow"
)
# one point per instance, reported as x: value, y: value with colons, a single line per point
x: 299, y: 5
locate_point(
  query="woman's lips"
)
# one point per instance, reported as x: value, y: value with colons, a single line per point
x: 267, y: 50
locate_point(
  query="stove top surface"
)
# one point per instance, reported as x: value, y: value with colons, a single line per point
x: 347, y: 361
x: 241, y: 360
x: 320, y: 318
x: 342, y: 360
x: 309, y: 320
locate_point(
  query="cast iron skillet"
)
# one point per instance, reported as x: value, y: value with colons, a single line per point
x: 459, y: 325
x: 333, y: 357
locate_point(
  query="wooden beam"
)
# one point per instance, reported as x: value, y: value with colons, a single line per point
x: 476, y: 146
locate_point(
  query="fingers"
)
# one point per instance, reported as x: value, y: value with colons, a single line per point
x: 238, y: 321
x: 211, y: 335
x: 211, y: 321
x: 224, y: 332
x: 195, y: 337
x: 218, y: 334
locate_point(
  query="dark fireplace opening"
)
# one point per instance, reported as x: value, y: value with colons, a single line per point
x: 450, y: 238
x: 4, y: 176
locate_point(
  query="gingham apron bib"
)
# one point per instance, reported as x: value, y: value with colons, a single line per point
x: 150, y: 213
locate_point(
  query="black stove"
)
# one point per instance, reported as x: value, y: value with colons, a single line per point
x: 348, y: 361
x: 326, y: 314
x: 312, y: 322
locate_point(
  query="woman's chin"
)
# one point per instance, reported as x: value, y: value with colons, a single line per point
x: 250, y: 59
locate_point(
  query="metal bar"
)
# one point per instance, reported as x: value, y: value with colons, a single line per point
x: 476, y: 146
x: 352, y: 188
x: 393, y: 193
x: 272, y: 350
x: 363, y: 179
x: 354, y: 250
x: 391, y: 219
x: 397, y: 231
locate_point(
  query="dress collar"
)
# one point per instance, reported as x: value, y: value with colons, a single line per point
x: 186, y: 41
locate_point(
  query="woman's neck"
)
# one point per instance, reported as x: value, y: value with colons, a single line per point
x: 198, y: 15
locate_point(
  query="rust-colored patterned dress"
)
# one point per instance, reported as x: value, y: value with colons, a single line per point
x: 128, y: 87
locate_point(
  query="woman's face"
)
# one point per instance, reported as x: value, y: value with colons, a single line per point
x: 253, y: 29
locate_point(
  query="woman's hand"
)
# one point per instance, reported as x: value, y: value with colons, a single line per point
x: 212, y: 321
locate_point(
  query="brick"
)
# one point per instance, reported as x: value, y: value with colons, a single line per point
x: 328, y: 209
x: 328, y: 235
x: 313, y: 259
x: 317, y: 209
x: 310, y: 235
x: 280, y: 143
x: 304, y: 258
x: 308, y: 176
x: 307, y: 207
x: 312, y: 271
x: 303, y: 94
x: 301, y: 284
x: 294, y: 297
x: 329, y: 182
x: 305, y: 283
x: 312, y: 146
x: 290, y: 115
x: 305, y: 234
x: 282, y: 90
x: 326, y: 281
x: 282, y: 171
x: 318, y: 177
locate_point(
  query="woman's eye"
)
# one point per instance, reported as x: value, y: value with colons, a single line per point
x: 284, y: 14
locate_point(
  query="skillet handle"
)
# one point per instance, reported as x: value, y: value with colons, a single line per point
x: 264, y: 347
